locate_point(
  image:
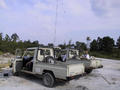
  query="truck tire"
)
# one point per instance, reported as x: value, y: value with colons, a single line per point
x: 16, y: 73
x: 88, y: 71
x: 50, y: 60
x: 48, y: 79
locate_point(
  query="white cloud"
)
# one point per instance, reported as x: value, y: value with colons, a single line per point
x: 108, y: 8
x: 37, y: 19
x: 43, y: 6
x: 3, y: 4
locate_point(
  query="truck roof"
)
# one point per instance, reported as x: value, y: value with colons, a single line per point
x: 33, y: 48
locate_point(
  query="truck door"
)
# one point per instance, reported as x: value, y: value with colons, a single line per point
x: 17, y: 62
x: 40, y: 55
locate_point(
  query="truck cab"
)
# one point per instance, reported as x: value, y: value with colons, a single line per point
x: 40, y: 61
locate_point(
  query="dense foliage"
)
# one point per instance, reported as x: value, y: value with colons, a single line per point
x: 105, y: 44
x: 11, y: 43
x: 102, y: 47
x: 105, y: 47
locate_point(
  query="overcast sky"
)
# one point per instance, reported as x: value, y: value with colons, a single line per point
x: 77, y: 19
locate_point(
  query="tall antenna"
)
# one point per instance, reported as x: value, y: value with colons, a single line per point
x: 56, y: 16
x: 63, y: 7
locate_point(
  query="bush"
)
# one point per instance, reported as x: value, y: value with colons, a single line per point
x: 1, y: 53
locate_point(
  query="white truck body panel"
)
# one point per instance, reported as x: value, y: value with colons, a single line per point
x: 61, y: 70
x: 75, y: 69
x: 95, y: 63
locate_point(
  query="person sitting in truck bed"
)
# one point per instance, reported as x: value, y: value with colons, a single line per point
x: 86, y: 55
x: 61, y: 57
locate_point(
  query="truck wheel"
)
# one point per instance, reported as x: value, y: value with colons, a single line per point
x: 16, y: 74
x: 50, y: 59
x: 88, y: 71
x: 48, y: 80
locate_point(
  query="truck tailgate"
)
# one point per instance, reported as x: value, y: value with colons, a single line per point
x: 75, y: 69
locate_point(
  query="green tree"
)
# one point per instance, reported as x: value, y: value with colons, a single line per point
x: 50, y: 45
x: 7, y: 38
x: 1, y: 41
x: 118, y: 43
x: 108, y: 44
x: 94, y: 45
x: 1, y: 36
x: 78, y: 45
x: 4, y: 43
x: 27, y: 44
x: 100, y: 43
x: 41, y: 45
x: 63, y: 46
x: 14, y: 37
x: 69, y: 44
x: 35, y: 43
x: 81, y: 46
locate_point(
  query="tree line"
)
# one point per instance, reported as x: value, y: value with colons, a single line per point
x: 11, y: 43
x: 104, y: 46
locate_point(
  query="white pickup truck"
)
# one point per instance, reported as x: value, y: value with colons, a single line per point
x: 89, y: 64
x: 39, y: 61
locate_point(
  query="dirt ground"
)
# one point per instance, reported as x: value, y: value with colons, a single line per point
x: 107, y: 78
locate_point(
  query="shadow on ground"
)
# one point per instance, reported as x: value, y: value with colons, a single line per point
x: 59, y: 84
x: 39, y: 80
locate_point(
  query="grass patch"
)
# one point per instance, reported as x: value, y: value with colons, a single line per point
x: 106, y: 55
x: 1, y: 53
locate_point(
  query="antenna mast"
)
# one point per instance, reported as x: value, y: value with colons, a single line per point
x: 56, y: 17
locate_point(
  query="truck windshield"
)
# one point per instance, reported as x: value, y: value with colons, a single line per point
x: 47, y: 52
x: 29, y: 53
x: 44, y: 52
x: 18, y: 53
x: 73, y: 52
